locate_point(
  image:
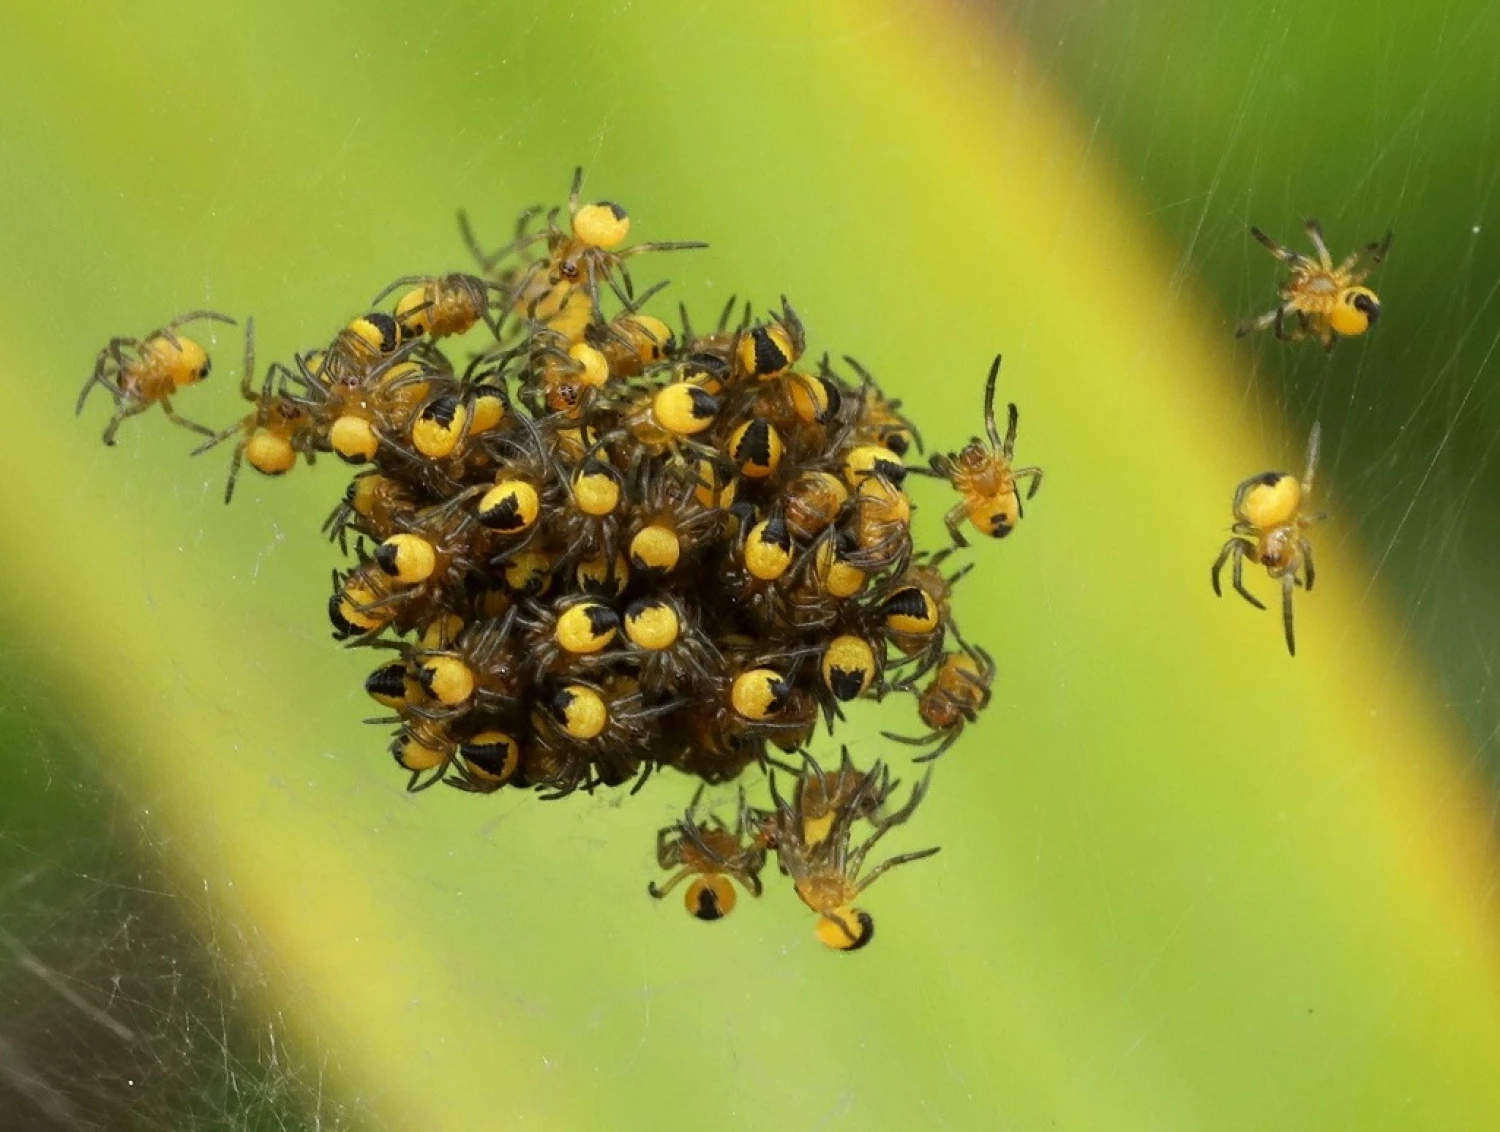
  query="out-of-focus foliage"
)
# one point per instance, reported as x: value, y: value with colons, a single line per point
x: 1186, y: 882
x: 1223, y: 116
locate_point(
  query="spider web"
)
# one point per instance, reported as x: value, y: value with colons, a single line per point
x: 1409, y: 413
x: 129, y: 999
x: 118, y: 1009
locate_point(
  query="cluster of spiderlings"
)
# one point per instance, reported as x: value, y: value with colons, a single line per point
x: 602, y: 546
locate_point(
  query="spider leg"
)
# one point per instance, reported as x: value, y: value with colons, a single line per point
x: 856, y: 857
x: 1034, y: 474
x: 1260, y: 322
x: 1285, y: 254
x: 1008, y: 449
x: 660, y: 246
x: 922, y: 741
x: 196, y: 316
x: 1375, y: 249
x: 110, y: 353
x: 1288, y: 580
x: 974, y: 680
x: 954, y: 520
x: 1314, y: 232
x: 1224, y: 552
x: 522, y: 285
x: 416, y: 786
x: 1309, y: 572
x: 726, y: 314
x: 404, y: 281
x: 234, y: 474
x: 1279, y: 322
x: 183, y: 422
x: 941, y: 466
x: 573, y: 192
x: 658, y: 891
x: 122, y: 413
x: 95, y: 378
x: 886, y: 866
x: 1313, y: 443
x: 466, y: 232
x: 942, y: 748
x: 751, y: 880
x: 248, y: 372
x: 989, y: 407
x: 1239, y: 578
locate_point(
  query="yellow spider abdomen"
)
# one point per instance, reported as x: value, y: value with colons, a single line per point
x: 435, y: 434
x: 446, y: 679
x: 408, y: 559
x: 759, y: 693
x: 651, y: 623
x: 414, y: 311
x: 586, y: 628
x: 186, y: 364
x: 710, y: 897
x: 599, y: 575
x: 528, y: 572
x: 602, y: 225
x: 768, y: 549
x: 756, y: 448
x: 848, y: 666
x: 269, y: 453
x: 492, y: 757
x: 354, y: 439
x: 594, y: 369
x: 388, y: 685
x: 412, y: 754
x: 1355, y: 311
x: 581, y: 711
x: 995, y: 516
x: 845, y: 929
x: 596, y: 490
x: 683, y: 409
x: 510, y: 507
x: 1272, y: 501
x: 765, y: 351
x: 655, y: 548
x: 487, y: 408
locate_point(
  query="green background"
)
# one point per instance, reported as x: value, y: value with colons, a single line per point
x: 1186, y: 882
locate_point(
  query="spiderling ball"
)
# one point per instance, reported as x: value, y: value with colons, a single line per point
x: 608, y: 545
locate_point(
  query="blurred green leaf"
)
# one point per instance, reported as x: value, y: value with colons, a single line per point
x: 1186, y: 882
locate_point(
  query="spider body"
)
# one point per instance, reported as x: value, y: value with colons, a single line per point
x: 141, y: 372
x: 711, y: 854
x: 633, y: 342
x: 1270, y: 529
x: 281, y: 427
x: 915, y: 614
x: 579, y: 258
x: 442, y: 305
x: 984, y: 476
x: 1321, y: 299
x: 959, y: 691
x: 813, y: 839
